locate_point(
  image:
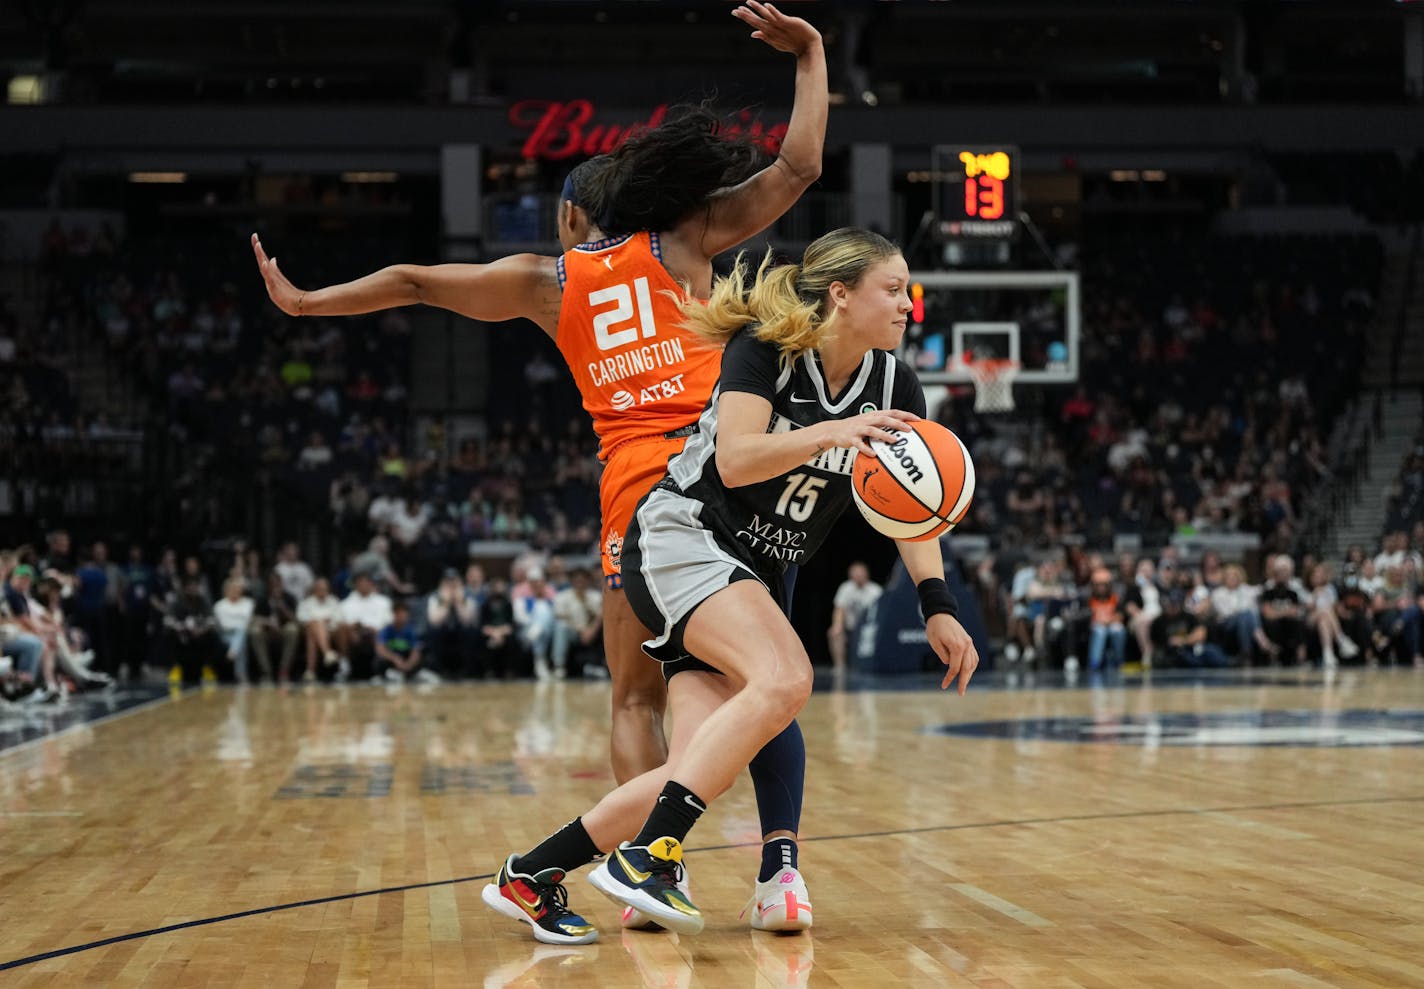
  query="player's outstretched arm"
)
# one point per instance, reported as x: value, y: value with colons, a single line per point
x: 521, y: 285
x: 755, y: 204
x: 947, y: 637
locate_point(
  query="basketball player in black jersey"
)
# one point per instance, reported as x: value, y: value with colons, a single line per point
x: 806, y: 380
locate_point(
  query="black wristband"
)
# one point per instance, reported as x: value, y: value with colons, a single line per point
x: 935, y: 598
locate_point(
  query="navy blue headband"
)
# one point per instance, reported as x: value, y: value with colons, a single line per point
x: 569, y: 194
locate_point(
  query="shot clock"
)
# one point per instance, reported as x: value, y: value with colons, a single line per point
x: 977, y: 191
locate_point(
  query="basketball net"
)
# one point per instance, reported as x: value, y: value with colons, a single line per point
x: 993, y: 383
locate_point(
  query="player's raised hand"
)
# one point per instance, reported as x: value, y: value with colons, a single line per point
x: 954, y: 648
x: 785, y: 34
x: 283, y: 293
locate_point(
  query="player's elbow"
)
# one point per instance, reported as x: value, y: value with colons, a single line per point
x: 732, y: 469
x: 802, y: 170
x: 411, y: 283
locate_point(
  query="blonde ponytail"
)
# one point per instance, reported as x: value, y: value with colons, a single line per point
x: 786, y: 303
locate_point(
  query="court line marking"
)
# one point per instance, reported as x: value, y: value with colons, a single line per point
x: 973, y: 826
x: 105, y: 719
x: 1011, y: 910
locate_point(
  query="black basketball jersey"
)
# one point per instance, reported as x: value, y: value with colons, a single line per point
x: 782, y: 521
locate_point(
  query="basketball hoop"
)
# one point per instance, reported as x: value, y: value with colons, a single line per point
x: 993, y: 383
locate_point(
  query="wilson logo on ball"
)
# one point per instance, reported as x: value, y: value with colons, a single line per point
x: 899, y: 448
x: 917, y: 487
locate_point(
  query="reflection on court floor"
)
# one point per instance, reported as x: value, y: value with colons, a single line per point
x: 1248, y: 829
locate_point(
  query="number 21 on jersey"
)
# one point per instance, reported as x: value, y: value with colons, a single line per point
x: 622, y: 297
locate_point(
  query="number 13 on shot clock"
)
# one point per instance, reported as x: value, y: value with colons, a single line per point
x: 979, y: 191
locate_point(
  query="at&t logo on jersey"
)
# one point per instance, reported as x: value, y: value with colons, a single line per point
x: 667, y: 388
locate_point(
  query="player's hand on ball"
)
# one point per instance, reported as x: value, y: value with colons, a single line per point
x: 283, y: 293
x: 856, y: 432
x: 954, y: 648
x: 785, y: 34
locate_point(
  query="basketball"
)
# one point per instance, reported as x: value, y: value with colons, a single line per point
x: 917, y: 487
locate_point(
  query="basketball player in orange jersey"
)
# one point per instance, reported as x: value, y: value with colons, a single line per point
x: 639, y: 227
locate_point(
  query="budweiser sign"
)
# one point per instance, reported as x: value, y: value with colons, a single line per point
x: 568, y: 128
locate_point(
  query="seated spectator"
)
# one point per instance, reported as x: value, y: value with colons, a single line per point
x: 1050, y: 598
x: 320, y: 616
x: 1020, y: 632
x: 399, y: 649
x: 233, y: 614
x: 136, y: 610
x: 501, y: 648
x: 452, y: 625
x: 1325, y: 619
x: 297, y: 577
x: 275, y: 620
x: 68, y: 645
x: 34, y: 664
x: 376, y: 564
x: 408, y: 521
x: 853, y: 601
x: 1234, y: 612
x: 534, y: 618
x: 1397, y: 610
x: 365, y: 611
x: 1107, y: 635
x: 316, y: 455
x: 578, y: 622
x: 193, y: 642
x: 475, y: 588
x: 1355, y: 609
x: 1179, y: 637
x: 1282, y: 603
x: 24, y: 652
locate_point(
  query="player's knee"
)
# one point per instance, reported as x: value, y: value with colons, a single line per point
x: 784, y: 694
x: 640, y: 700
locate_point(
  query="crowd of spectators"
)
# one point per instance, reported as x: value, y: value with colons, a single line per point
x: 1160, y: 438
x: 1164, y: 435
x: 1082, y: 607
x: 82, y: 622
x: 321, y: 408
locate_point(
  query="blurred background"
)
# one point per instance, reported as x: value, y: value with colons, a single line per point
x: 1194, y: 225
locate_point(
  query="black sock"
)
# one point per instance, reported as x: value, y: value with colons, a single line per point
x: 776, y: 854
x: 676, y: 811
x: 567, y: 849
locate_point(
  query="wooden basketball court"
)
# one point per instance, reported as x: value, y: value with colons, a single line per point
x: 1266, y: 829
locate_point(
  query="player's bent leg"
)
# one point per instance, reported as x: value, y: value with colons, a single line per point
x: 741, y: 631
x: 529, y: 887
x: 649, y: 880
x: 637, y: 741
x: 772, y: 677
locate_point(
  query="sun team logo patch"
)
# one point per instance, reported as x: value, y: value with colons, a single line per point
x: 613, y: 547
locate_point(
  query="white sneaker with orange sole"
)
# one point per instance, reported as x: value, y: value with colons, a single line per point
x: 781, y: 903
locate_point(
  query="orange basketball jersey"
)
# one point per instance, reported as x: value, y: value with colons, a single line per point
x: 640, y: 373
